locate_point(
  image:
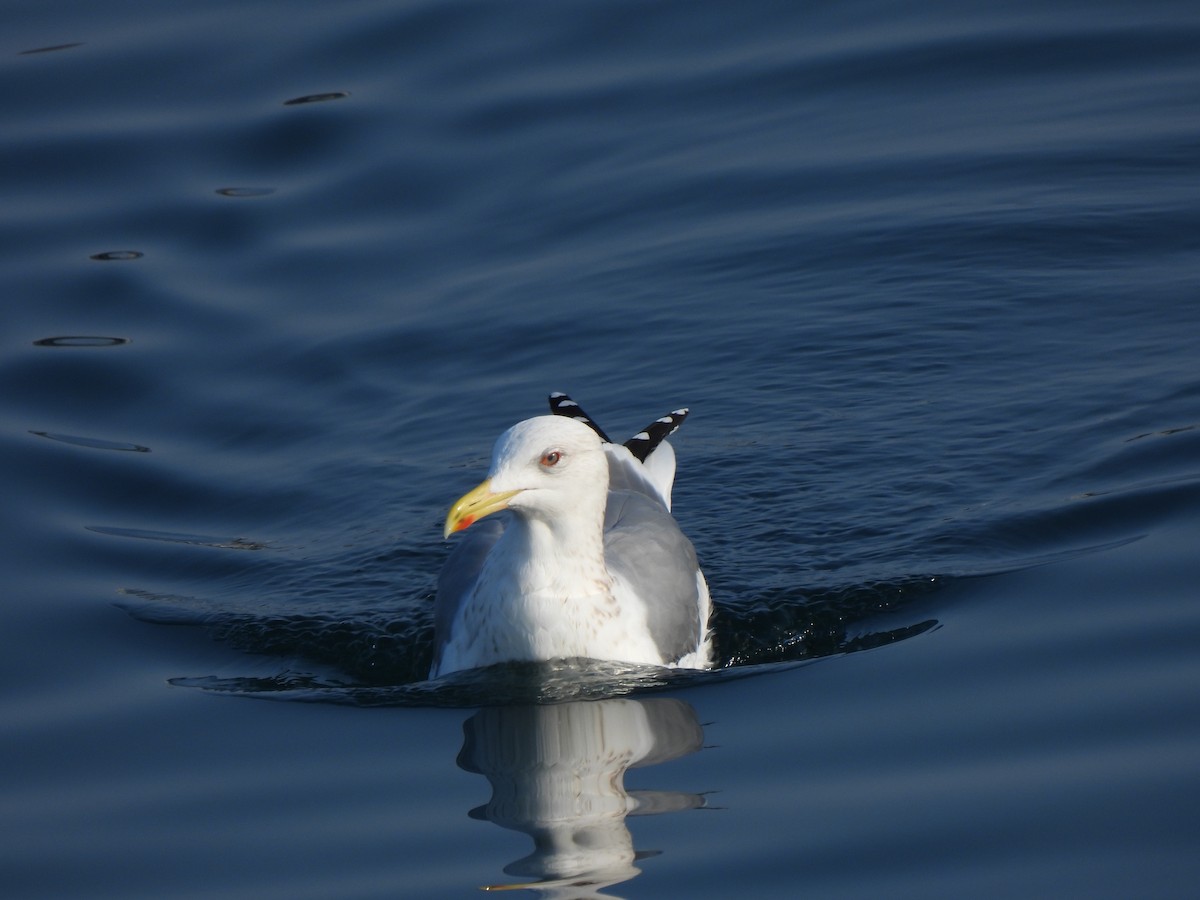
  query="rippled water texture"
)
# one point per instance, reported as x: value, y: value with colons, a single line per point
x: 277, y: 275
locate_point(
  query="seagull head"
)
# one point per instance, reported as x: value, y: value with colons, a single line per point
x: 548, y: 467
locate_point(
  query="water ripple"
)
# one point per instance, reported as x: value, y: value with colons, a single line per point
x: 92, y: 443
x: 242, y: 192
x: 381, y: 657
x: 317, y: 98
x: 81, y: 341
x: 117, y: 255
x: 52, y: 49
x: 171, y: 537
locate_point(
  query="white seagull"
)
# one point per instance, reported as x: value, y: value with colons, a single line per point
x: 590, y: 564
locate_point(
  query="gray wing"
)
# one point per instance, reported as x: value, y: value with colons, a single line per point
x: 644, y: 547
x: 458, y: 577
x: 653, y: 476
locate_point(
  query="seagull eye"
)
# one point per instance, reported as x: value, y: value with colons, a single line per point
x: 551, y: 458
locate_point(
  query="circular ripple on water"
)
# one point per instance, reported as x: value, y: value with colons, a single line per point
x: 117, y: 255
x: 245, y: 191
x: 81, y: 341
x: 316, y: 98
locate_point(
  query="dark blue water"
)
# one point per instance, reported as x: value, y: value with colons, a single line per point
x: 276, y: 275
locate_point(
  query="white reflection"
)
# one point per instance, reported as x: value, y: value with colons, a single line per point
x: 557, y: 774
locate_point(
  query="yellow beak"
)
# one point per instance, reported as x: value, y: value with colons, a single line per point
x: 476, y: 504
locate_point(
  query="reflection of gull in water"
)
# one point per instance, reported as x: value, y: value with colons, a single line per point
x: 557, y: 774
x: 590, y: 563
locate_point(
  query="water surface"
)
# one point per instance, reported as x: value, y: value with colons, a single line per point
x: 276, y: 277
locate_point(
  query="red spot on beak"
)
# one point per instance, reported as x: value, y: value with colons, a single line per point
x: 465, y: 523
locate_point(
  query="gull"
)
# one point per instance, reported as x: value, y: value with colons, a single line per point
x: 590, y: 562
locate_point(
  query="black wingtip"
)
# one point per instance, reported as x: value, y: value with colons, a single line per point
x: 562, y: 405
x: 645, y: 441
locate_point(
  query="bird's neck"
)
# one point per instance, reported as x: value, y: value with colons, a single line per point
x: 564, y: 558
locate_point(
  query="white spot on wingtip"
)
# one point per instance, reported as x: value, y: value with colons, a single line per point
x: 640, y: 436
